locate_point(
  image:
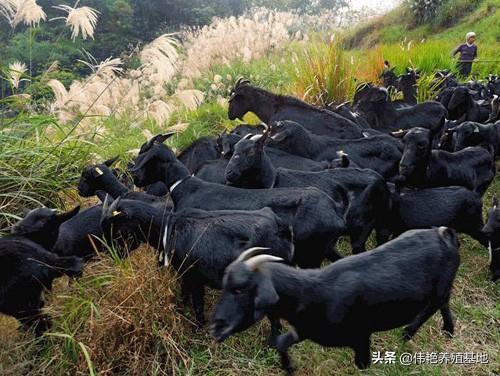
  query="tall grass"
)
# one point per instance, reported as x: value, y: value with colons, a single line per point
x: 33, y: 171
x: 119, y: 318
x: 323, y: 73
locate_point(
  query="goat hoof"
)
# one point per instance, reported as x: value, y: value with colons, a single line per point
x: 290, y: 370
x: 448, y: 332
x: 408, y: 334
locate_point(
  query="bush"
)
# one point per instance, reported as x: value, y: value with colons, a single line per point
x: 423, y: 11
x: 451, y: 11
x: 323, y: 74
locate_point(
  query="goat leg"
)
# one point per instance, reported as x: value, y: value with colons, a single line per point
x: 198, y: 299
x: 448, y: 320
x: 421, y: 318
x: 362, y: 357
x: 283, y: 342
x: 275, y: 330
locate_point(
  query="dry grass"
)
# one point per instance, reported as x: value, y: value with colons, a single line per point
x: 16, y: 72
x: 123, y: 314
x: 27, y: 12
x: 140, y: 93
x: 247, y: 37
x: 326, y: 73
x: 82, y: 21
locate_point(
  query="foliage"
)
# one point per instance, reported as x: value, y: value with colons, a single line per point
x: 450, y: 12
x: 423, y: 10
x: 324, y: 74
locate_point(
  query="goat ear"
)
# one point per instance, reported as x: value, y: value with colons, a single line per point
x: 142, y: 160
x: 399, y: 134
x: 266, y: 295
x: 161, y: 138
x: 110, y: 162
x: 96, y: 172
x: 68, y: 215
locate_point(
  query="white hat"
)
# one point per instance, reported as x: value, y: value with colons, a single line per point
x: 469, y: 34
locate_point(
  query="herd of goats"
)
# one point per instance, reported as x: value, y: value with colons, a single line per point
x: 256, y: 211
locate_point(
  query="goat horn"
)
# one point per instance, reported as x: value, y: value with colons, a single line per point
x: 247, y: 136
x: 250, y: 252
x: 240, y: 81
x: 266, y: 127
x: 114, y: 204
x: 105, y: 206
x: 254, y: 263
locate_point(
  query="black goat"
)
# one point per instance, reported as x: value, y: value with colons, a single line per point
x: 26, y: 270
x: 199, y: 244
x: 243, y: 129
x: 361, y: 90
x: 421, y: 166
x: 493, y: 85
x: 201, y: 150
x: 473, y: 134
x: 271, y: 107
x: 278, y: 157
x: 389, y: 78
x: 42, y: 225
x: 317, y: 221
x: 379, y: 111
x: 214, y: 171
x: 455, y: 207
x: 462, y: 99
x: 492, y: 232
x: 380, y: 153
x: 403, y: 282
x: 250, y: 167
x: 80, y: 235
x: 100, y: 177
x: 407, y: 84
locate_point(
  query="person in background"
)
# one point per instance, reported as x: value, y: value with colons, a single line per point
x: 468, y: 52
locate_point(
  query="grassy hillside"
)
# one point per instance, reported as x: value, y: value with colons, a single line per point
x: 429, y: 45
x: 125, y: 317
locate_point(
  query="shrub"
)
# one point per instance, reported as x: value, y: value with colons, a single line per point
x: 323, y: 74
x: 451, y: 11
x: 423, y: 10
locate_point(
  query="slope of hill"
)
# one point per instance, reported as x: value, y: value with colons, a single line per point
x: 398, y: 30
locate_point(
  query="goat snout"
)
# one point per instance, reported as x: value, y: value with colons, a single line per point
x: 220, y: 330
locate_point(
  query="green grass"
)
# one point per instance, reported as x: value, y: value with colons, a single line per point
x: 431, y: 44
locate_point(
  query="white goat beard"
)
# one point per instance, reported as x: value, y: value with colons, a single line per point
x: 490, y: 253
